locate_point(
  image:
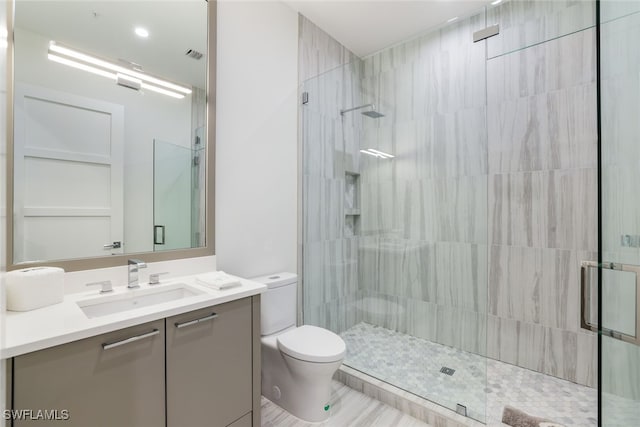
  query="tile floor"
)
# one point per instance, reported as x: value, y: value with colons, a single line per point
x: 350, y: 409
x: 483, y: 385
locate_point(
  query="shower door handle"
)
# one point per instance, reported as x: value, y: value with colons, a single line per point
x: 158, y: 234
x: 586, y: 302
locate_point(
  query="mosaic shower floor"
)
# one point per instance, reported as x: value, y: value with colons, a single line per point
x: 414, y: 364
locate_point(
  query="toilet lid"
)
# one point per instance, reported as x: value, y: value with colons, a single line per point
x: 312, y: 344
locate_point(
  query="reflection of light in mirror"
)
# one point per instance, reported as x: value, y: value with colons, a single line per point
x: 142, y: 32
x: 162, y: 91
x: 377, y: 153
x: 4, y: 43
x: 84, y: 67
x: 90, y: 63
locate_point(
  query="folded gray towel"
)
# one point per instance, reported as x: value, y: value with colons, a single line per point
x: 517, y: 418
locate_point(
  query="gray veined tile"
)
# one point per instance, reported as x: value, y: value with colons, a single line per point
x: 320, y: 53
x: 515, y: 283
x: 531, y: 346
x: 554, y: 209
x: 536, y: 285
x: 586, y: 365
x: 553, y: 130
x: 461, y: 272
x: 524, y: 24
x: 560, y: 353
x: 556, y: 65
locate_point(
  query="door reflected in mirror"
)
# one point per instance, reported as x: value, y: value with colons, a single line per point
x: 109, y: 128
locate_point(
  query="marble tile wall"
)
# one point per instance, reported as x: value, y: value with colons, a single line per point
x: 331, y: 75
x: 472, y: 236
x: 492, y: 195
x: 318, y: 51
x: 542, y: 196
x: 423, y: 258
x: 530, y: 22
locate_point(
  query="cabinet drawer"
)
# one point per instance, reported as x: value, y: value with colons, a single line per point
x: 209, y: 365
x: 109, y: 380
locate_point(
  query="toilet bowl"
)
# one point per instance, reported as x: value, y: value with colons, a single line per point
x: 298, y: 363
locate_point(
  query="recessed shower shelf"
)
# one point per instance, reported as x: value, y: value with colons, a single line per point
x: 351, y: 204
x: 351, y: 226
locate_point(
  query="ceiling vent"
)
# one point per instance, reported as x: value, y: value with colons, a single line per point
x: 192, y: 53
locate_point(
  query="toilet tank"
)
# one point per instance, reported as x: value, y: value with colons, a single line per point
x: 278, y: 304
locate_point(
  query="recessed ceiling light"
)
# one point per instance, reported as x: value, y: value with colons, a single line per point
x: 496, y: 2
x: 142, y: 32
x: 452, y: 19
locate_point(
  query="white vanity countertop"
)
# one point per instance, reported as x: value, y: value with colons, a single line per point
x: 65, y: 322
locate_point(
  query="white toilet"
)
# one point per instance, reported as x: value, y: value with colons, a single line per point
x: 297, y: 362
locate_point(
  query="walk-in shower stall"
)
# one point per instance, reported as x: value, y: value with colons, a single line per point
x: 451, y: 191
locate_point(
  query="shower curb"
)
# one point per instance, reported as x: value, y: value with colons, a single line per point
x: 422, y: 409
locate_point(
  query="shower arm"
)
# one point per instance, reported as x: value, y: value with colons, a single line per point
x: 348, y: 110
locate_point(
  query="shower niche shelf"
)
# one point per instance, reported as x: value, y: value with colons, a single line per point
x: 351, y: 204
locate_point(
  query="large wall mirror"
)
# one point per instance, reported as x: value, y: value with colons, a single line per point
x: 112, y: 131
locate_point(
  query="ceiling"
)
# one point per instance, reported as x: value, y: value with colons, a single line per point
x: 368, y: 26
x: 105, y: 28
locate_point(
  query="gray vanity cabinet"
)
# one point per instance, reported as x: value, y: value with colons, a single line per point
x: 200, y: 368
x: 115, y: 379
x: 209, y: 366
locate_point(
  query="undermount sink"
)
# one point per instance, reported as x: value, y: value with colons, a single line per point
x: 131, y: 300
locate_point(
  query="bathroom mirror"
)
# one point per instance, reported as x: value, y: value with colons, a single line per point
x: 112, y: 132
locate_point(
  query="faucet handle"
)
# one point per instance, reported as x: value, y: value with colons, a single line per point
x: 137, y: 262
x: 106, y: 286
x: 154, y: 278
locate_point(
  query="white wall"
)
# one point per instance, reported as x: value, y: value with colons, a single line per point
x: 256, y: 138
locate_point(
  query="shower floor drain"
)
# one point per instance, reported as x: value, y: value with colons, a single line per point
x: 447, y: 371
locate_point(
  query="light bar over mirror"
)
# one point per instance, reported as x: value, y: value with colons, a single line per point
x: 128, y: 77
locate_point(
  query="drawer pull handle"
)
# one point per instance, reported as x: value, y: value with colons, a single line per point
x: 196, y: 321
x: 107, y: 346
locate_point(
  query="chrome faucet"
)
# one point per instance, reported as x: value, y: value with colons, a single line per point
x: 134, y: 266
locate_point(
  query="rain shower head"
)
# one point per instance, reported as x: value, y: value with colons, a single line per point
x: 373, y: 114
x: 370, y: 113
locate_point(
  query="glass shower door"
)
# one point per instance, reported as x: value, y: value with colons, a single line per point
x: 620, y: 213
x: 172, y: 193
x: 395, y: 214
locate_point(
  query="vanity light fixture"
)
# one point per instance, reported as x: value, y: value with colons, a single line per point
x: 142, y: 32
x: 452, y: 19
x: 122, y: 75
x: 377, y: 153
x: 128, y: 81
x: 496, y: 2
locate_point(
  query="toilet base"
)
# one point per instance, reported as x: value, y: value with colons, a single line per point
x: 299, y: 387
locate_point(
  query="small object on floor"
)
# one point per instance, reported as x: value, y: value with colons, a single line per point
x: 517, y: 418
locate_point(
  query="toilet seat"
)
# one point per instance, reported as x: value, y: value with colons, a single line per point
x: 312, y: 344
